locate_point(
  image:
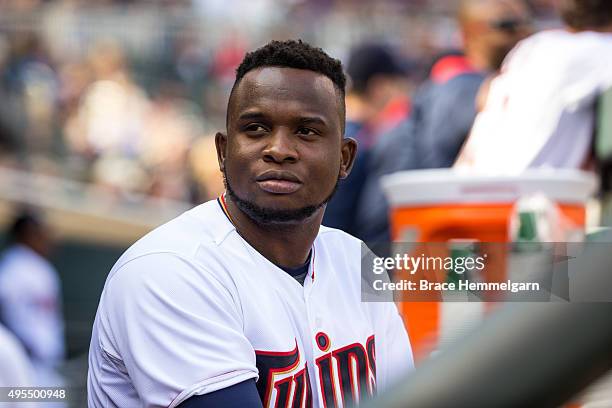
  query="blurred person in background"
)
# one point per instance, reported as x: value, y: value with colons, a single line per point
x: 172, y: 124
x: 539, y: 112
x: 444, y: 107
x: 377, y: 101
x: 107, y: 128
x: 28, y: 86
x: 489, y: 29
x: 30, y: 296
x: 133, y: 142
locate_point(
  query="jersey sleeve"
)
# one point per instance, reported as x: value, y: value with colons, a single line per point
x: 176, y: 328
x: 243, y: 395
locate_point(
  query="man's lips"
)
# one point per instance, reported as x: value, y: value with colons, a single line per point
x: 279, y: 186
x: 278, y: 182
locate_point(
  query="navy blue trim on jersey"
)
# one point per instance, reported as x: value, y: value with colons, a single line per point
x: 241, y: 395
x: 221, y: 204
x: 300, y: 270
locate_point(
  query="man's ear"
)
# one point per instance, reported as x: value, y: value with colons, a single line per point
x: 221, y: 145
x: 348, y: 152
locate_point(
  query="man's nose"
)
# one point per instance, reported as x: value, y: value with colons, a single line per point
x: 281, y: 147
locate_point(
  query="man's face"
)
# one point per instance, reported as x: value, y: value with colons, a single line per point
x: 284, y: 150
x: 496, y: 26
x: 508, y: 24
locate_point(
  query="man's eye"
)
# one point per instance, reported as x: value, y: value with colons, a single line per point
x: 303, y: 131
x: 255, y: 128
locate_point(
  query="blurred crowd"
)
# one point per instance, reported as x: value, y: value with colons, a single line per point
x: 513, y: 96
x: 128, y: 94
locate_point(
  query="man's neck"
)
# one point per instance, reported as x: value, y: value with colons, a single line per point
x: 286, y: 245
x: 477, y: 60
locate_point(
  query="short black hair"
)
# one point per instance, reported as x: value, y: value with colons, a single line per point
x: 293, y: 54
x: 586, y: 14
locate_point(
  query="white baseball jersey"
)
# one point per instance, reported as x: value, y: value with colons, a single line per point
x: 540, y: 109
x: 192, y: 308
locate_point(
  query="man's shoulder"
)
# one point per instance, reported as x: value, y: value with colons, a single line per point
x: 200, y: 228
x: 177, y: 259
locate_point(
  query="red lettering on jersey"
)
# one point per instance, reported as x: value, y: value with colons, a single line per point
x: 291, y: 390
x: 353, y: 374
x: 371, y: 349
x: 302, y: 396
x: 352, y: 364
x: 326, y: 380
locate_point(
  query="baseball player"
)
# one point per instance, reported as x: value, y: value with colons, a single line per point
x: 30, y: 296
x: 247, y: 301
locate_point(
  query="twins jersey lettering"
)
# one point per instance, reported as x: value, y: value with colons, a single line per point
x: 192, y: 308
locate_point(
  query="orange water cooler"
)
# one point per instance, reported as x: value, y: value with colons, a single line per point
x: 437, y: 206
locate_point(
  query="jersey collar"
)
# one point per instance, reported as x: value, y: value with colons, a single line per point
x: 223, y: 206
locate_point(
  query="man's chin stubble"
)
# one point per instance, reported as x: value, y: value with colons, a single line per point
x: 274, y: 217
